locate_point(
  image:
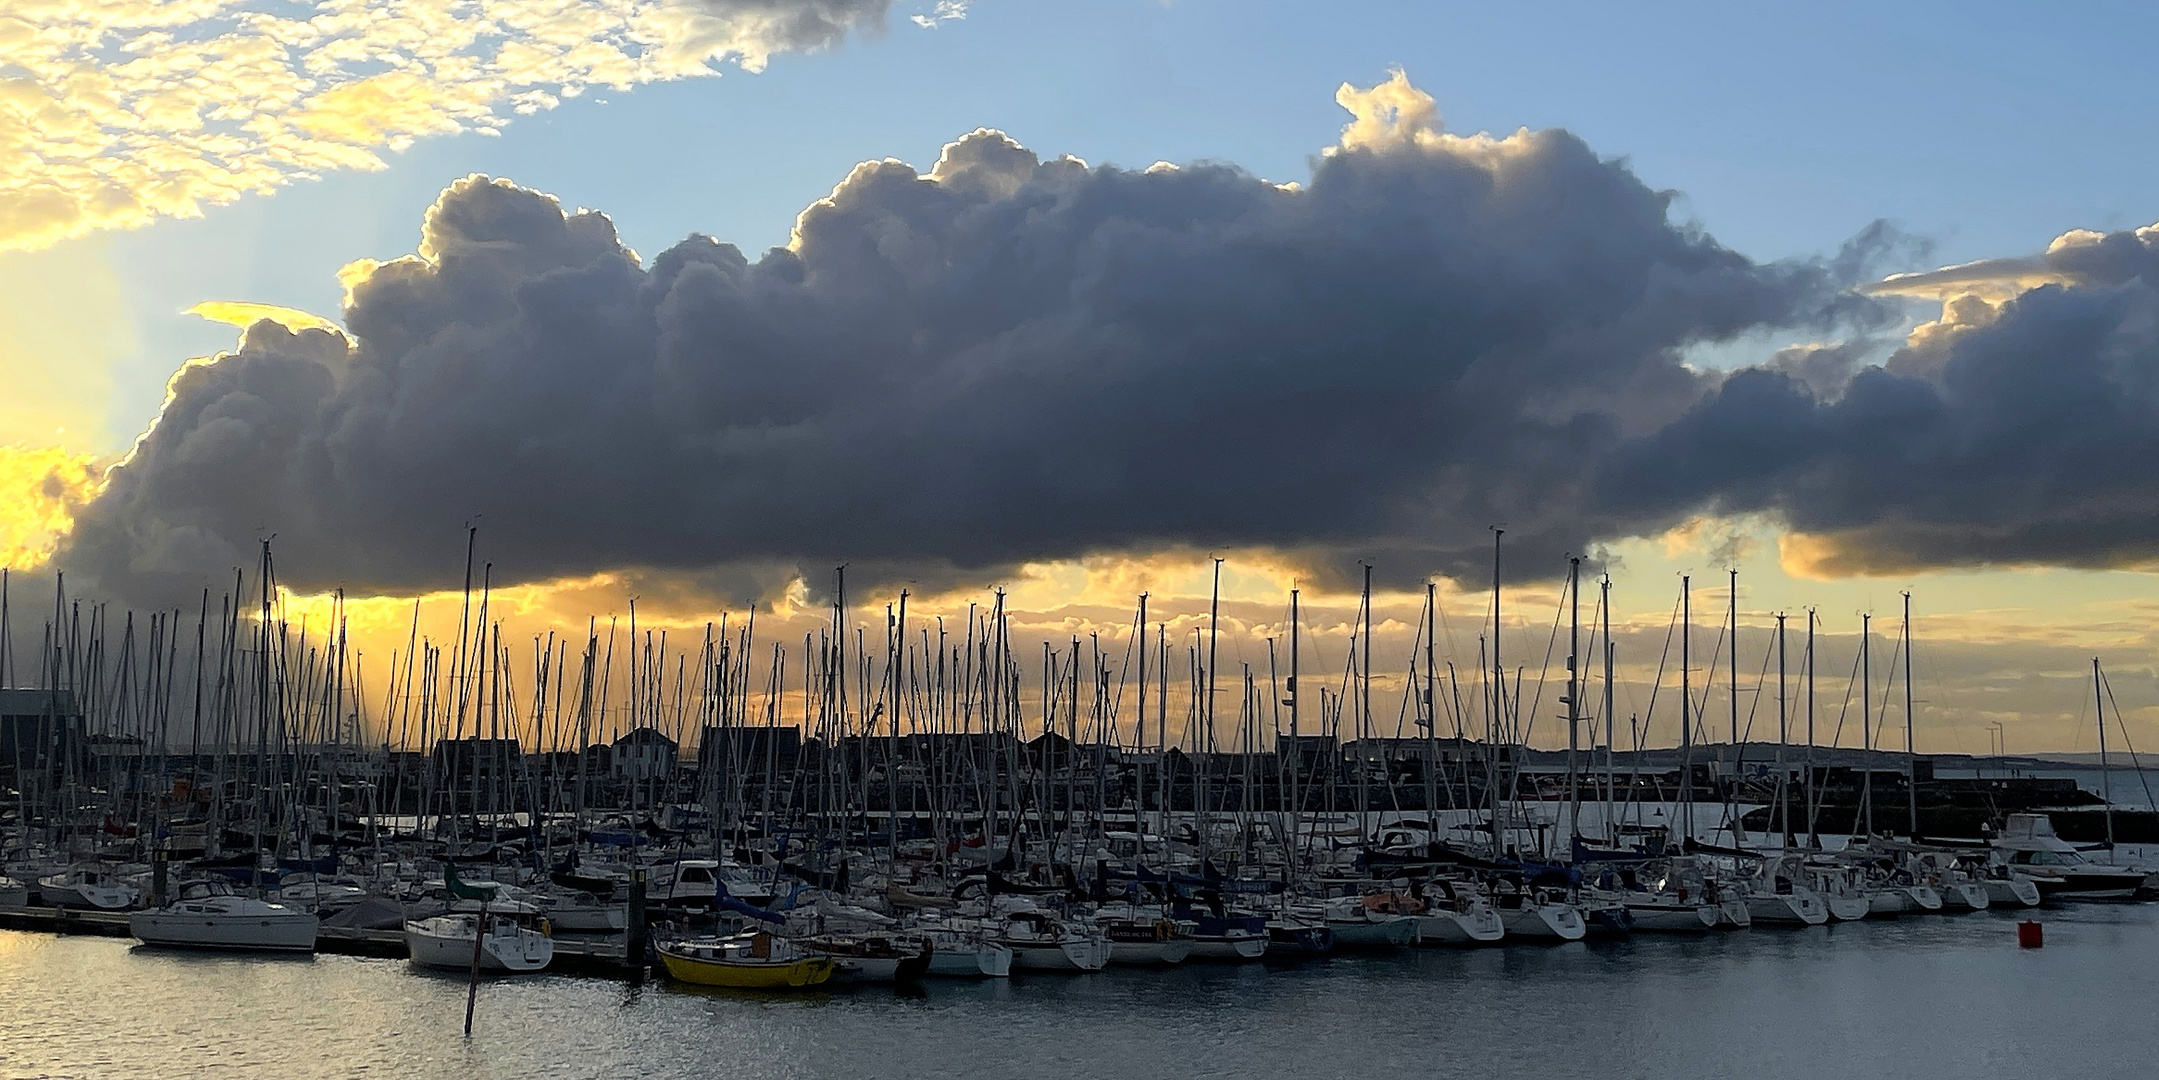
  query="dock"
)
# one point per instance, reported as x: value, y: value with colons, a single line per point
x: 602, y: 956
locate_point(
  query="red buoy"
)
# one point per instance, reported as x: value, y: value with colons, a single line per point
x: 2030, y: 935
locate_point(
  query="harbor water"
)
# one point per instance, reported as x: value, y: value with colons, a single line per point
x: 1909, y: 998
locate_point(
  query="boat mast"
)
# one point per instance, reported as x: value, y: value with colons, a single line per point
x: 1364, y: 720
x: 1499, y: 690
x: 1574, y: 694
x: 1604, y: 603
x: 1783, y: 811
x: 1866, y: 722
x: 1813, y: 840
x: 1911, y: 752
x: 1686, y: 707
x: 1732, y: 643
x: 1139, y: 820
x: 2106, y: 786
x: 1431, y: 713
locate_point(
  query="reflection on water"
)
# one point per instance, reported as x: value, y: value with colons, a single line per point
x: 1926, y: 996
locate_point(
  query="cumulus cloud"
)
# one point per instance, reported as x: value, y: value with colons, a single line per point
x: 2017, y: 430
x: 1002, y: 359
x: 114, y: 113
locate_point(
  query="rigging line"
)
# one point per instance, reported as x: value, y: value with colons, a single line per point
x: 1709, y: 683
x: 1559, y: 611
x: 1663, y: 657
x: 1836, y: 739
x: 1760, y: 677
x: 2122, y: 723
x: 1881, y: 714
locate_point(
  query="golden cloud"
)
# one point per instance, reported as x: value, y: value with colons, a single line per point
x: 114, y: 113
x: 41, y: 486
x: 243, y: 314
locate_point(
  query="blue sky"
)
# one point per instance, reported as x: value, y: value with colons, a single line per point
x: 1989, y: 128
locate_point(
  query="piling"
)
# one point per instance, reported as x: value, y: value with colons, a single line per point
x: 633, y: 951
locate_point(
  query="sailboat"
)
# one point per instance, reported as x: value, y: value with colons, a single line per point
x: 207, y: 915
x: 751, y: 961
x: 1139, y: 936
x: 88, y: 887
x: 1779, y: 896
x: 1457, y: 915
x: 497, y: 941
x: 506, y: 945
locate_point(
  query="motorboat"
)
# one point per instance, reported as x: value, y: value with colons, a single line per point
x: 756, y: 960
x: 2028, y: 846
x: 88, y: 887
x: 13, y: 893
x: 208, y: 915
x: 508, y: 945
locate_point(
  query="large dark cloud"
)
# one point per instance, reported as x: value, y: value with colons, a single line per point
x: 2018, y: 432
x: 1002, y: 360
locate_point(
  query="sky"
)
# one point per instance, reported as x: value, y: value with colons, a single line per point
x: 1980, y: 133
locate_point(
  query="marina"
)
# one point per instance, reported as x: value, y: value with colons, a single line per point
x: 1954, y: 997
x: 1029, y: 540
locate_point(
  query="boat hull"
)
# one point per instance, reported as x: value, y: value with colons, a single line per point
x: 1297, y: 941
x: 1965, y: 896
x: 286, y: 933
x: 2017, y: 891
x: 1673, y: 918
x: 1888, y: 903
x: 796, y: 974
x: 1845, y: 907
x: 881, y: 969
x: 613, y: 918
x: 1733, y: 915
x: 1483, y: 927
x: 98, y: 897
x: 519, y: 953
x: 1155, y: 953
x: 986, y: 961
x: 1390, y: 933
x: 2088, y: 886
x: 1071, y: 957
x: 1787, y: 909
x: 1545, y: 922
x: 1232, y: 949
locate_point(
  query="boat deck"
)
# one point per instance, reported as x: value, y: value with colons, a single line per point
x: 573, y: 954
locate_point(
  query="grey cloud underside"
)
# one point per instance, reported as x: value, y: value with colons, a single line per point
x: 1006, y: 359
x: 2028, y: 437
